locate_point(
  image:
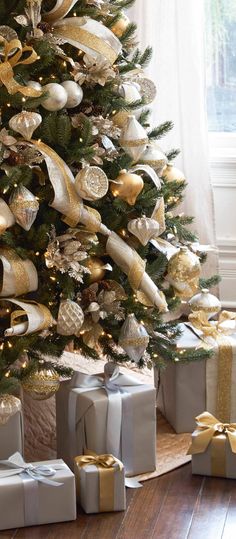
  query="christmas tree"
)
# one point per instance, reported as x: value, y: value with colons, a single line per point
x: 90, y: 238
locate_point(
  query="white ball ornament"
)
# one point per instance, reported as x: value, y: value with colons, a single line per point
x: 74, y: 93
x: 57, y: 97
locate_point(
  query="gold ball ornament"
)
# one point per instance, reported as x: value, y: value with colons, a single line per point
x: 42, y: 383
x: 9, y: 406
x: 121, y: 25
x: 127, y: 186
x: 91, y: 183
x: 184, y: 270
x: 97, y: 269
x: 171, y: 174
x: 206, y: 302
x: 25, y: 123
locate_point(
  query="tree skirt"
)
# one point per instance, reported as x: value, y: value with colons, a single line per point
x: 40, y: 423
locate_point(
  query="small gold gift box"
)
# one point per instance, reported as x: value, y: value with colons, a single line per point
x: 100, y: 482
x: 213, y: 447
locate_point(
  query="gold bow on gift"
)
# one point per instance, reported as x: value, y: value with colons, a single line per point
x: 211, y: 432
x: 15, y: 48
x: 200, y: 321
x: 219, y: 332
x: 107, y: 466
x: 208, y: 427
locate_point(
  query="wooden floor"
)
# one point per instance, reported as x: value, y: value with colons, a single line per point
x: 174, y: 506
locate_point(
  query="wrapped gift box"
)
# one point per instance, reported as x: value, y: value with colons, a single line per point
x: 100, y: 486
x: 12, y: 436
x: 25, y: 501
x: 121, y: 422
x: 216, y: 454
x: 185, y: 389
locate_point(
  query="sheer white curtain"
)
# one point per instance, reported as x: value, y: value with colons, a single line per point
x: 175, y: 29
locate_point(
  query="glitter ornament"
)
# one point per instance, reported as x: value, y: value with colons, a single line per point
x: 25, y: 123
x: 57, y: 97
x: 91, y: 183
x: 144, y: 228
x: 74, y: 93
x: 9, y: 406
x: 133, y: 138
x: 184, y: 270
x: 70, y: 318
x: 24, y: 206
x: 154, y: 157
x: 42, y: 383
x: 133, y: 338
x: 127, y: 186
x: 206, y: 302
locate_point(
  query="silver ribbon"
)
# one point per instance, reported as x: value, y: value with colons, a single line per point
x: 30, y: 474
x: 150, y: 172
x: 119, y: 441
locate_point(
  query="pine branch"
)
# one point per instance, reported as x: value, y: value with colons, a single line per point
x: 172, y: 154
x: 160, y: 131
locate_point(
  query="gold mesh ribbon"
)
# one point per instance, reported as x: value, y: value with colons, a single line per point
x: 85, y: 38
x: 107, y: 466
x: 136, y: 271
x: 225, y: 355
x: 211, y: 431
x: 60, y: 11
x: 8, y: 63
x: 20, y: 275
x: 68, y: 203
x: 47, y: 320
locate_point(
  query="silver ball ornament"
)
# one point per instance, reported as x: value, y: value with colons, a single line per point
x: 74, y: 93
x: 57, y: 97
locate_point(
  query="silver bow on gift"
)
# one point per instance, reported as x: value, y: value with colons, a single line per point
x: 118, y: 412
x: 40, y: 472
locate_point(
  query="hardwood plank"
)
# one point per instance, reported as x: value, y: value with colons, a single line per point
x: 107, y: 525
x: 176, y: 513
x: 174, y: 506
x: 230, y: 522
x: 211, y: 509
x: 61, y: 530
x: 141, y: 517
x: 8, y: 534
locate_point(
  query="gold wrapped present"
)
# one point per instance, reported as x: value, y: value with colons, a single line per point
x: 100, y: 481
x: 213, y: 447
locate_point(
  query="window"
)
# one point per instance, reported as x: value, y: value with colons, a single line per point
x: 221, y: 66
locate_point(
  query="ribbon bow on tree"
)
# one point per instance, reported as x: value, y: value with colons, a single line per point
x: 15, y: 48
x: 208, y: 427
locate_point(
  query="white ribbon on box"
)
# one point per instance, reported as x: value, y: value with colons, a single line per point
x: 119, y: 411
x: 30, y: 474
